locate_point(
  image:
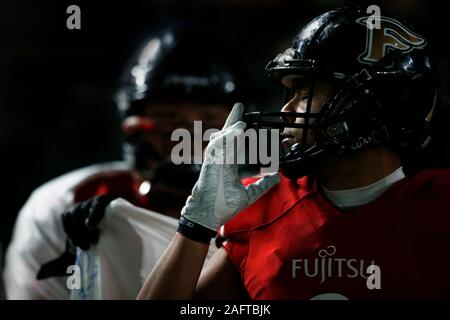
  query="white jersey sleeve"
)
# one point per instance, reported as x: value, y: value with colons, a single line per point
x: 38, y: 237
x: 131, y: 242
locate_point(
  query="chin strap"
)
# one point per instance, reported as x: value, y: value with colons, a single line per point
x: 300, y: 161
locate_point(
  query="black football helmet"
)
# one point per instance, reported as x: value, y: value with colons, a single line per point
x: 385, y: 87
x: 174, y: 65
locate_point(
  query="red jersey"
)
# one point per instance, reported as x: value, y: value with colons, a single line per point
x: 119, y: 183
x: 292, y: 243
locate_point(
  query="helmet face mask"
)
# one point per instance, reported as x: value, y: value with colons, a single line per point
x: 385, y: 101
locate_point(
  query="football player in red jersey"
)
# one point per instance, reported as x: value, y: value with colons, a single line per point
x: 170, y: 82
x: 341, y: 220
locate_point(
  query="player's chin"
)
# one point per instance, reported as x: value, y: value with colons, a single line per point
x: 287, y: 143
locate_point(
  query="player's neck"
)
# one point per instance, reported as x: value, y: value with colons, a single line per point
x: 358, y: 170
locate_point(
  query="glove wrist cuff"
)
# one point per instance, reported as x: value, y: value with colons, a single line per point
x: 195, y: 231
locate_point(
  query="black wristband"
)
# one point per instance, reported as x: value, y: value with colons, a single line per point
x: 195, y: 231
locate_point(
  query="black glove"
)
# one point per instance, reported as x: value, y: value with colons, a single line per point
x: 81, y: 222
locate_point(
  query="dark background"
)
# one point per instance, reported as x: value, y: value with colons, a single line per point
x: 56, y: 85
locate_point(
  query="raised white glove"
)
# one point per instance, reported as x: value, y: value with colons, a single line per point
x: 219, y: 193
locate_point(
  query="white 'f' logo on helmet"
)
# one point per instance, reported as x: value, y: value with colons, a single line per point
x: 391, y: 35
